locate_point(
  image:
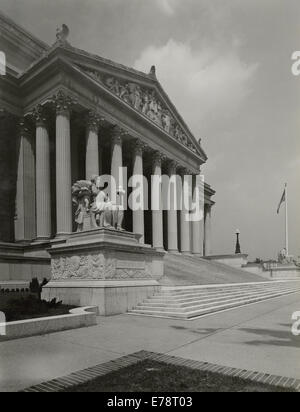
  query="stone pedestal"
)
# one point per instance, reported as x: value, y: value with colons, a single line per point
x: 236, y: 260
x: 103, y: 267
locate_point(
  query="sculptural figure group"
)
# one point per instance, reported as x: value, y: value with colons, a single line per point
x: 145, y: 101
x: 92, y: 201
x: 283, y: 257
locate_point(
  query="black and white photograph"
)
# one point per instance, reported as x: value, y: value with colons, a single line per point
x: 149, y: 199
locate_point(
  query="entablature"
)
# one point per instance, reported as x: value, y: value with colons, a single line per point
x: 59, y: 73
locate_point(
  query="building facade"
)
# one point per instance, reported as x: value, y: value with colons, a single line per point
x: 66, y: 115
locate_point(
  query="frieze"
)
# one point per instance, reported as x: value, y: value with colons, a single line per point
x: 98, y: 266
x: 145, y: 101
x: 79, y: 267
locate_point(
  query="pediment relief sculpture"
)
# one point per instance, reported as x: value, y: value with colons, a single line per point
x: 146, y: 101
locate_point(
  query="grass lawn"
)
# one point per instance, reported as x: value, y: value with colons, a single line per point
x: 152, y: 376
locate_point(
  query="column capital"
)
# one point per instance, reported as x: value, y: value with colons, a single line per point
x: 93, y: 121
x: 172, y: 166
x: 23, y: 127
x: 40, y: 116
x: 184, y: 171
x: 63, y: 103
x: 208, y: 207
x: 117, y: 133
x: 139, y: 147
x: 158, y: 157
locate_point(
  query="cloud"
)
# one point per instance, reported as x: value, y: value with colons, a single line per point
x: 167, y: 6
x: 208, y: 86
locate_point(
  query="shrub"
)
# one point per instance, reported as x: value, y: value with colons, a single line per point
x: 29, y: 306
x: 36, y: 288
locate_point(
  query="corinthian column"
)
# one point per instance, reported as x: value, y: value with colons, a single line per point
x: 184, y: 216
x: 172, y: 211
x: 138, y: 184
x: 198, y: 223
x: 63, y: 165
x: 156, y: 203
x: 207, y: 230
x: 25, y: 219
x: 117, y: 157
x: 43, y: 188
x: 92, y: 146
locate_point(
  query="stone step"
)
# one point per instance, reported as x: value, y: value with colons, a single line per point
x: 190, y: 302
x: 215, y: 291
x: 184, y: 288
x: 196, y: 296
x: 202, y: 304
x: 210, y: 309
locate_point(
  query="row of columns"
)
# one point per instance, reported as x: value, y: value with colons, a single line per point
x: 63, y: 171
x: 190, y: 233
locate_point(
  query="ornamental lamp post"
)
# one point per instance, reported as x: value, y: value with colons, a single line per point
x: 237, y: 246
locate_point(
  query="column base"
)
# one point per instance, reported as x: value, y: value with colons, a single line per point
x: 174, y: 251
x: 186, y: 253
x: 24, y: 242
x: 42, y: 239
x: 160, y: 249
x: 62, y: 235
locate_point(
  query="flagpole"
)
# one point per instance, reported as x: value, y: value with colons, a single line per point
x: 286, y: 221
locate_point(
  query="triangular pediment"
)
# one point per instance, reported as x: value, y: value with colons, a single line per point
x: 148, y: 99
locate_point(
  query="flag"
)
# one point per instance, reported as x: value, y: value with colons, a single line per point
x: 281, y: 201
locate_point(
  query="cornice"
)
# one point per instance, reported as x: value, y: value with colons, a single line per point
x: 73, y: 81
x: 67, y: 52
x: 14, y: 30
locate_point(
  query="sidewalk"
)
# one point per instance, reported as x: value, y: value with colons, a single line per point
x: 256, y: 337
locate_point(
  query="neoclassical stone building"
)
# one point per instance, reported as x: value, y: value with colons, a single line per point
x: 66, y: 115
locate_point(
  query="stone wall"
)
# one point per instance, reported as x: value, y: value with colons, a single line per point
x: 8, y: 180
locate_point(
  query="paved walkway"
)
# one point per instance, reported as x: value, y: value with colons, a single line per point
x: 256, y: 337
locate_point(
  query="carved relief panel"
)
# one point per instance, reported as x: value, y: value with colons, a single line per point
x: 146, y: 101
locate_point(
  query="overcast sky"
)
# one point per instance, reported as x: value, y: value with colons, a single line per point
x: 226, y: 64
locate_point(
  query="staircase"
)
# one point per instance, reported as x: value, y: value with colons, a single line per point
x: 193, y: 301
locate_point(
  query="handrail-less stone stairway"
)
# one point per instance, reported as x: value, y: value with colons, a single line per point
x: 188, y: 302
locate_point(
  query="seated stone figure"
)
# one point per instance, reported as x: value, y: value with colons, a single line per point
x: 91, y: 199
x: 284, y: 258
x: 81, y: 192
x: 111, y: 215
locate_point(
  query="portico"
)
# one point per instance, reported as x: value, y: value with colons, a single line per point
x: 69, y: 115
x: 115, y: 127
x: 101, y: 137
